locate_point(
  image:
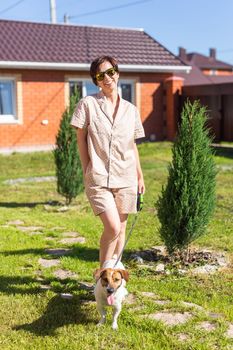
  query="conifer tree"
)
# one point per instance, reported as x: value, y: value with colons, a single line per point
x: 187, y: 201
x: 66, y: 155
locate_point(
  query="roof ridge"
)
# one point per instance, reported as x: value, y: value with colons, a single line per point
x: 208, y: 59
x: 65, y: 44
x: 73, y: 25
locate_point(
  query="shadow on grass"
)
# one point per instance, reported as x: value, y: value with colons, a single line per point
x: 80, y: 252
x: 29, y: 285
x: 35, y: 251
x: 59, y: 312
x: 18, y: 285
x: 11, y: 205
x: 223, y: 151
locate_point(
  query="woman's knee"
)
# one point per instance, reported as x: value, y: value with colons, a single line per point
x: 111, y: 222
x: 113, y: 228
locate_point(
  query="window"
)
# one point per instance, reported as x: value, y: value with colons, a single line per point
x: 7, y: 100
x: 126, y: 90
x: 213, y: 72
x: 85, y: 87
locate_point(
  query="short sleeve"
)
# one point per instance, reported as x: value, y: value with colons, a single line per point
x: 81, y: 115
x: 138, y: 131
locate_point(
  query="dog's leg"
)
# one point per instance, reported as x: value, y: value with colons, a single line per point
x: 102, y: 312
x: 116, y: 312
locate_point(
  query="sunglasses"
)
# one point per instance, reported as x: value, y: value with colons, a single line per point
x: 110, y: 72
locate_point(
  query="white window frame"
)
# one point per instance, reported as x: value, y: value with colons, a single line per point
x: 69, y: 79
x: 213, y: 72
x: 10, y: 118
x: 84, y: 81
x: 130, y: 82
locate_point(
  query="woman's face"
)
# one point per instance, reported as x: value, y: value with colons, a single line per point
x: 108, y: 84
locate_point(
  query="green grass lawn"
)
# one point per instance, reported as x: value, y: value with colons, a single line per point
x: 36, y: 318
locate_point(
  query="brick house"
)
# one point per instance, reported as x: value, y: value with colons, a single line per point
x: 211, y: 82
x: 41, y: 63
x: 205, y: 69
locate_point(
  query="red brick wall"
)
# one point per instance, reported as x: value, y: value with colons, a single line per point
x: 152, y: 104
x: 43, y: 98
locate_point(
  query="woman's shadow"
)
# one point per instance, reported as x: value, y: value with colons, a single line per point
x: 60, y: 312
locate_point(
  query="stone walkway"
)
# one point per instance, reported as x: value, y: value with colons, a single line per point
x: 166, y: 315
x: 172, y: 318
x: 30, y: 179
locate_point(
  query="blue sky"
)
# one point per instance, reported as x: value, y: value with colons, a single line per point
x: 195, y: 25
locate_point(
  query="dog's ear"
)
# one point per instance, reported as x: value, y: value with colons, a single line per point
x: 97, y: 274
x: 124, y: 274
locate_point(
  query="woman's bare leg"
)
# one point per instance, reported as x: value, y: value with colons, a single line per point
x: 109, y: 239
x: 121, y: 236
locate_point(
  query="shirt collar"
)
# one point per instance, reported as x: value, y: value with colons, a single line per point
x: 102, y: 100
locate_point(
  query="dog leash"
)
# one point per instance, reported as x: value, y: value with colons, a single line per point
x: 139, y: 208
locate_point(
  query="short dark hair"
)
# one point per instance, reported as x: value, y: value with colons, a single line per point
x: 97, y: 62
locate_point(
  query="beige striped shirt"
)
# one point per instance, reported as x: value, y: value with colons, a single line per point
x: 110, y: 141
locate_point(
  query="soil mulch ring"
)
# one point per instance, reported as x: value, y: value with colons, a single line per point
x: 199, y: 261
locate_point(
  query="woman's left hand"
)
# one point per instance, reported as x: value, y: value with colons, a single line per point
x: 141, y: 185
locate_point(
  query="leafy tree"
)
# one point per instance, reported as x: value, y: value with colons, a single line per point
x: 66, y: 155
x: 188, y: 199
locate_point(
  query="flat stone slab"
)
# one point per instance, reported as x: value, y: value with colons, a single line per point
x: 45, y: 287
x: 193, y: 305
x: 34, y: 233
x: 225, y: 167
x: 207, y: 326
x: 66, y: 296
x: 205, y: 269
x: 214, y: 315
x: 137, y: 308
x: 161, y: 302
x: 30, y: 179
x: 48, y: 263
x: 130, y: 299
x: 86, y: 285
x: 63, y: 209
x: 57, y: 228
x: 160, y: 268
x: 88, y: 302
x: 29, y: 228
x: 70, y: 234
x: 183, y: 337
x: 73, y: 240
x: 15, y: 222
x: 229, y: 332
x: 64, y: 274
x: 58, y: 251
x: 171, y: 319
x: 160, y: 248
x: 149, y: 295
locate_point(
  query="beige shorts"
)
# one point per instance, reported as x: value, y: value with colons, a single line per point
x: 103, y: 198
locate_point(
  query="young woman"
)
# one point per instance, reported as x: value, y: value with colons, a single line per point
x: 107, y: 127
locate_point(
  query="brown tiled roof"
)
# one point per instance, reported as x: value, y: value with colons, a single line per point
x: 207, y: 62
x: 40, y: 42
x: 195, y: 77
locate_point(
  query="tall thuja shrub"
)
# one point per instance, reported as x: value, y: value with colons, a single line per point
x: 187, y: 201
x: 66, y: 155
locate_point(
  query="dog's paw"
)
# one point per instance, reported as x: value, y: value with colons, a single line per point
x: 101, y: 323
x: 114, y: 326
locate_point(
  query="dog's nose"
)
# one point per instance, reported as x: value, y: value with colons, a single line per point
x: 110, y: 290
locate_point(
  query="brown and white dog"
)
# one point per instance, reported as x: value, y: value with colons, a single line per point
x: 110, y: 289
